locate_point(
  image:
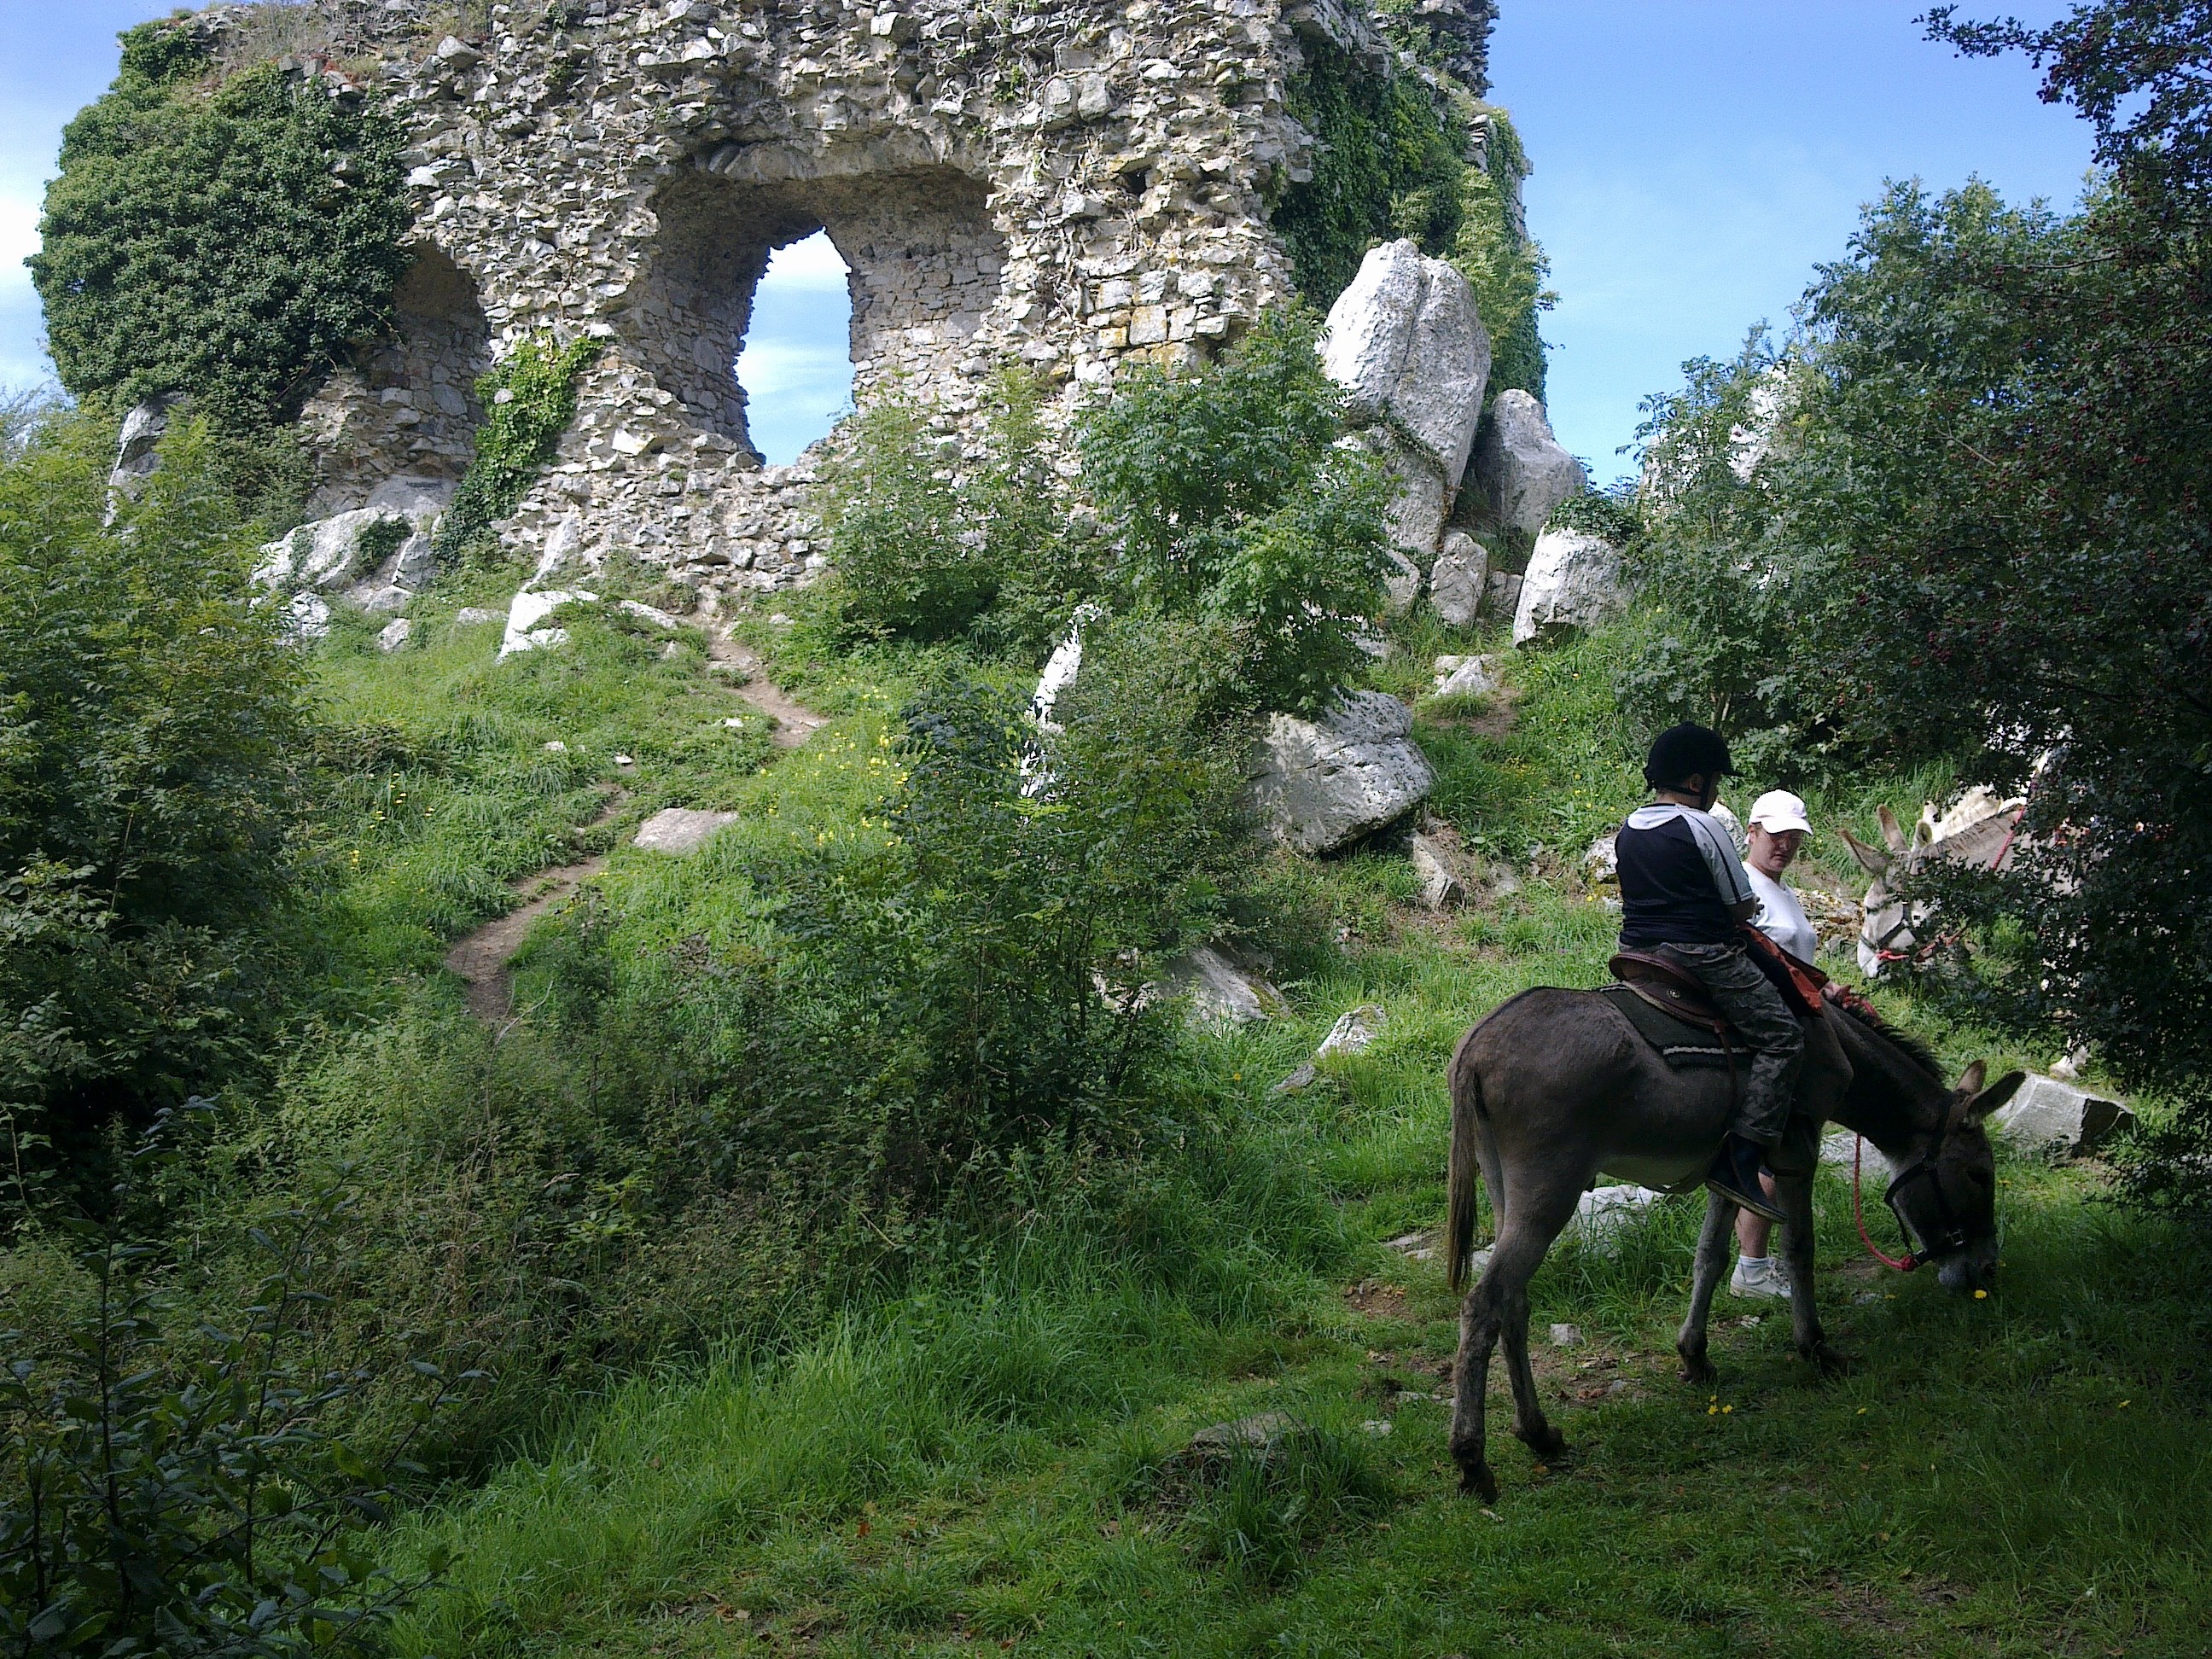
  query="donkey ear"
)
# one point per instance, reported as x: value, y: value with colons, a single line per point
x: 1874, y: 863
x: 1970, y: 1081
x: 1893, y: 832
x: 1986, y: 1100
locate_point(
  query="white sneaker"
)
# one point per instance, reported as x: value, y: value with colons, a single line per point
x: 1770, y: 1279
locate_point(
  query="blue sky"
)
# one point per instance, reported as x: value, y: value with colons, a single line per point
x: 1695, y: 159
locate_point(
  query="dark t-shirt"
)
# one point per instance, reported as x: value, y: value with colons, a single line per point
x: 1676, y: 886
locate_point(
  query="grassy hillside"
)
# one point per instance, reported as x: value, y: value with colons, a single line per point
x: 979, y: 1441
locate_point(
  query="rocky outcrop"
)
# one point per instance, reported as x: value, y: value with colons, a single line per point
x: 1407, y: 344
x: 1520, y: 469
x: 377, y: 556
x: 1457, y: 579
x: 1320, y: 784
x: 137, y: 451
x: 1572, y: 584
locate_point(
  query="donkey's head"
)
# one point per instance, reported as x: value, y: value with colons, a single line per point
x: 1979, y: 830
x: 1946, y: 1200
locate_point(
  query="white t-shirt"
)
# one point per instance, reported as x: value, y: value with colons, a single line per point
x: 1780, y: 917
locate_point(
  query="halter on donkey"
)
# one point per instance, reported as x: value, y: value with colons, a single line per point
x: 1556, y: 1087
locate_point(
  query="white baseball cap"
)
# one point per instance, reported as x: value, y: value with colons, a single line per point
x: 1778, y: 809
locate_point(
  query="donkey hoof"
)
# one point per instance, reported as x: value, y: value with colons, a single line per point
x: 1546, y: 1442
x: 1832, y: 1362
x: 1475, y: 1481
x: 1696, y: 1368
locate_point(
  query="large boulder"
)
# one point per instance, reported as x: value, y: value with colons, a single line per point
x: 2051, y: 1117
x: 526, y: 613
x: 1572, y: 584
x: 1421, y: 499
x: 379, y: 554
x: 137, y: 449
x: 1457, y: 579
x: 1406, y: 342
x: 1222, y: 991
x: 1520, y: 467
x: 1320, y: 784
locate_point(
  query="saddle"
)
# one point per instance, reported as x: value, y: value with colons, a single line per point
x: 1669, y: 988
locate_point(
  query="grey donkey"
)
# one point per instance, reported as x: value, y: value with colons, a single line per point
x: 1555, y: 1085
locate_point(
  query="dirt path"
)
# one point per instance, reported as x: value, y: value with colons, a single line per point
x: 792, y: 723
x: 480, y: 957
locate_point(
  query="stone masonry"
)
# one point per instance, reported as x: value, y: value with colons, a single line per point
x: 1075, y: 186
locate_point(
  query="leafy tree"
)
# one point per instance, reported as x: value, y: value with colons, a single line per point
x: 233, y: 241
x: 1237, y: 507
x: 148, y: 709
x: 1971, y: 524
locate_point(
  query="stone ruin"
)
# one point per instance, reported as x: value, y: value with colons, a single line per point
x: 1076, y: 187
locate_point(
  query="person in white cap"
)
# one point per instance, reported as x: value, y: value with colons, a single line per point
x: 1775, y: 830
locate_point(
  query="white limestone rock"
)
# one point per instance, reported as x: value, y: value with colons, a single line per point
x: 677, y: 830
x: 1501, y: 595
x: 525, y: 619
x: 396, y: 633
x: 1457, y: 579
x: 1466, y: 677
x: 1353, y: 1030
x: 1222, y: 992
x: 1441, y: 887
x: 1572, y: 584
x: 1419, y: 501
x: 474, y: 615
x: 1319, y: 785
x: 1405, y: 342
x: 1402, y: 586
x: 2051, y: 1117
x: 1521, y: 469
x: 307, y: 619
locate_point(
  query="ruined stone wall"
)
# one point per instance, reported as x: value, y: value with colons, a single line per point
x: 1074, y: 187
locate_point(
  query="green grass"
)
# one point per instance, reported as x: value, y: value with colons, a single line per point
x: 992, y: 1454
x: 441, y: 787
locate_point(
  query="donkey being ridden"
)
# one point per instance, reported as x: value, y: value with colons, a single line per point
x: 1556, y: 1085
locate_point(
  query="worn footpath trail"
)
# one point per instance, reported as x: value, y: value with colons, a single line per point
x: 480, y: 957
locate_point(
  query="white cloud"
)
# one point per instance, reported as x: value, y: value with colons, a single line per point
x: 813, y: 263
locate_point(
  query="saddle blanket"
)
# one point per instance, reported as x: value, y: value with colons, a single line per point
x: 1683, y: 1046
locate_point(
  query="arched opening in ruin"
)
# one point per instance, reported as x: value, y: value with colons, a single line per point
x: 406, y: 406
x: 923, y: 260
x: 424, y: 377
x: 796, y: 369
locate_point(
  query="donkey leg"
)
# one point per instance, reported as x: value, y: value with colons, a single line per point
x: 1530, y: 1426
x: 1529, y: 1232
x: 1795, y: 1193
x: 1478, y: 1336
x: 1704, y: 1279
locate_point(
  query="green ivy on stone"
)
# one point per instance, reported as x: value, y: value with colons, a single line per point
x: 233, y: 241
x: 1505, y: 269
x: 529, y: 400
x: 1387, y: 164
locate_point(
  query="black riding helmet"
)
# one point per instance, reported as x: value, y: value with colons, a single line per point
x: 1686, y: 751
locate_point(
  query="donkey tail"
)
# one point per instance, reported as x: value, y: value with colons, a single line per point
x: 1466, y: 1171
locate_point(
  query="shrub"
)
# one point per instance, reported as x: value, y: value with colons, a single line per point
x: 1235, y: 505
x: 182, y: 1491
x: 148, y: 713
x: 930, y: 545
x: 232, y: 242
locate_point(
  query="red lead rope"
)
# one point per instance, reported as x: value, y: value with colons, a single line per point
x: 1910, y: 1261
